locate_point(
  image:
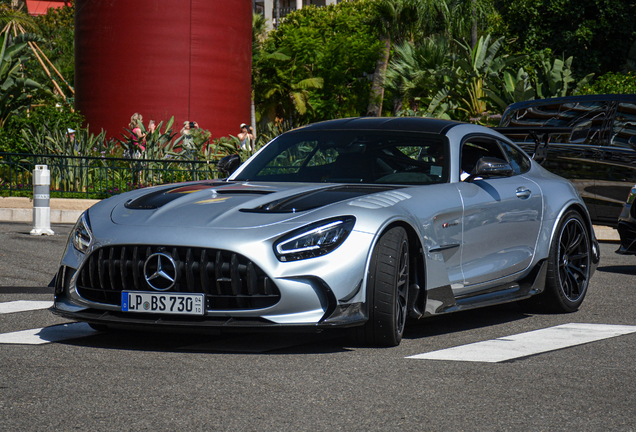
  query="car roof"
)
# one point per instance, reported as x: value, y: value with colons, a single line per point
x: 565, y: 99
x: 412, y: 124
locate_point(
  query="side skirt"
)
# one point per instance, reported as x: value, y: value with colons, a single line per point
x: 441, y: 300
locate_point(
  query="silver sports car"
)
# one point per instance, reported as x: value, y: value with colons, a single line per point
x: 354, y: 223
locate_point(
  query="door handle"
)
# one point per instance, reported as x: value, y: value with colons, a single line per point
x: 523, y: 192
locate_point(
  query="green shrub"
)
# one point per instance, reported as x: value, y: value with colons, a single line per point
x: 611, y: 83
x: 49, y: 112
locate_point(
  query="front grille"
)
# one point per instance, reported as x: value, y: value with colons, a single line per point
x: 230, y: 281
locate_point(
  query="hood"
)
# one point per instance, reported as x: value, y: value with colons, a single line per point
x: 233, y: 204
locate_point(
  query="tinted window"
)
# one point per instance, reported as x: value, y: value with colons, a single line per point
x: 351, y: 157
x: 588, y: 120
x: 624, y: 124
x: 474, y: 149
x: 519, y: 161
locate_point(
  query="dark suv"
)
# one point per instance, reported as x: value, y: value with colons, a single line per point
x: 590, y: 140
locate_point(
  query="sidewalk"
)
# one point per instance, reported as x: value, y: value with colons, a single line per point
x: 63, y: 210
x: 605, y: 233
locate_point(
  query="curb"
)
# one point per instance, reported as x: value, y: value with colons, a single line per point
x: 26, y: 215
x: 604, y: 233
x: 63, y: 210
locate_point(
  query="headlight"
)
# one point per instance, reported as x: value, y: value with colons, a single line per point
x: 82, y: 235
x: 314, y: 240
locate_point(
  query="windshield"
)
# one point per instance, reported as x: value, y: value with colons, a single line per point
x: 381, y: 157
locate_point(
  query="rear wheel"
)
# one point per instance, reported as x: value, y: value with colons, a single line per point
x: 568, y: 265
x: 387, y: 290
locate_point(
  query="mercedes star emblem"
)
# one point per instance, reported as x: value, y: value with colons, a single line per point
x: 160, y: 271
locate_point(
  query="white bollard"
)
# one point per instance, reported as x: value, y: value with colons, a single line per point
x: 41, y: 201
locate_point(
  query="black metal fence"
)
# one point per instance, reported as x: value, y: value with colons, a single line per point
x: 282, y: 12
x: 96, y: 177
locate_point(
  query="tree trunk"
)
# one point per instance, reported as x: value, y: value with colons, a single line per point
x: 473, y: 28
x: 397, y: 105
x: 253, y: 121
x: 374, y: 108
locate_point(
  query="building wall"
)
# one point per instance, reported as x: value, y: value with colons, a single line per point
x: 185, y: 58
x: 267, y: 6
x: 35, y: 7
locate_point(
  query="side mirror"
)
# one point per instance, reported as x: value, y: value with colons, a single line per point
x: 227, y: 165
x: 491, y: 167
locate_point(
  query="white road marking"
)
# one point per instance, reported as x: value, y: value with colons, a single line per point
x: 48, y: 334
x: 23, y: 306
x: 530, y: 343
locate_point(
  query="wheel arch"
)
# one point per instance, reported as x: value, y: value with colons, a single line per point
x: 417, y: 269
x: 582, y: 210
x: 579, y: 208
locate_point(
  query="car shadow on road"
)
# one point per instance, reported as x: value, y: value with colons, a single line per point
x: 626, y: 269
x: 465, y: 320
x: 230, y: 343
x: 277, y: 342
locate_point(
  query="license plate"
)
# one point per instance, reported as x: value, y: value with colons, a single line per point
x: 165, y: 303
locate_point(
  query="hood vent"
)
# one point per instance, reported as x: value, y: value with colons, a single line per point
x: 154, y: 200
x: 318, y: 198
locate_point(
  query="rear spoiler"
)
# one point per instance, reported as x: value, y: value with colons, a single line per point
x: 540, y: 135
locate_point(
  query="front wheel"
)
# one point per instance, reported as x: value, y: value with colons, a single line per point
x: 387, y: 290
x: 568, y: 265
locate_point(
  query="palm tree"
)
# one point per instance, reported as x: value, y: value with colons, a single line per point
x: 395, y: 21
x: 15, y: 22
x: 15, y: 90
x: 387, y: 16
x: 12, y: 20
x: 411, y: 75
x: 295, y: 95
x: 414, y: 20
x: 259, y: 34
x: 460, y: 18
x: 469, y: 78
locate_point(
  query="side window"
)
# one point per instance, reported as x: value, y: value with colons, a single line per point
x: 323, y: 157
x: 624, y: 124
x: 474, y: 149
x: 519, y: 161
x: 588, y: 120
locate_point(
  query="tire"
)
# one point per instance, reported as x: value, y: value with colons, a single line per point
x: 387, y: 291
x: 569, y: 263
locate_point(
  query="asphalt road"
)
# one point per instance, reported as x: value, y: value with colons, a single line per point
x: 280, y: 382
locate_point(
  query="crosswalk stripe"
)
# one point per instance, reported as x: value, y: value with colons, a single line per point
x: 529, y: 343
x: 23, y: 306
x: 44, y: 335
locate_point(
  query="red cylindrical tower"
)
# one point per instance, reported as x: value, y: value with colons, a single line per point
x: 190, y: 59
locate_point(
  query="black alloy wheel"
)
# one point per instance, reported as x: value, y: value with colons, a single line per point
x: 569, y: 264
x: 387, y: 291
